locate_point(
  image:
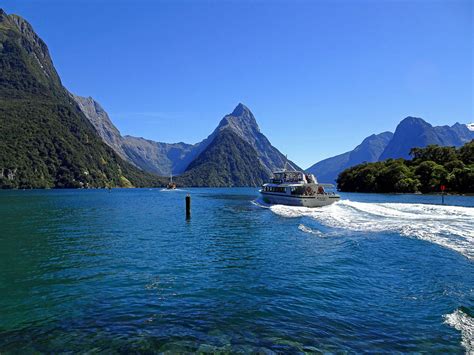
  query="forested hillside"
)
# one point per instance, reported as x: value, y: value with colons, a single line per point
x: 45, y: 140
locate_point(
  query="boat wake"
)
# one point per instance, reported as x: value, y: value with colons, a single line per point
x: 169, y: 190
x: 465, y: 324
x: 448, y: 226
x: 312, y: 231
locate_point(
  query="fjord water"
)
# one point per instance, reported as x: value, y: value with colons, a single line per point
x: 91, y: 270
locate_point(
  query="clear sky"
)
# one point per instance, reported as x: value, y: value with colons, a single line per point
x: 319, y: 75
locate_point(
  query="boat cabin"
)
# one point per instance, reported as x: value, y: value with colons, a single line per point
x: 295, y: 177
x: 293, y: 183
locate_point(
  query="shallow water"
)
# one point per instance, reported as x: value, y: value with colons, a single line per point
x: 124, y: 271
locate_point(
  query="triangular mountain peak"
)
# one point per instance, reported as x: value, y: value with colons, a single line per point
x: 240, y: 110
x: 241, y: 120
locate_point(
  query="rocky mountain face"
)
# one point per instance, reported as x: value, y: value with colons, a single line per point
x: 369, y: 150
x: 410, y: 133
x: 102, y: 123
x: 415, y: 132
x: 159, y: 158
x: 154, y: 157
x: 45, y: 139
x: 175, y: 158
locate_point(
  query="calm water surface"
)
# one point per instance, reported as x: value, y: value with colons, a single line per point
x: 124, y: 271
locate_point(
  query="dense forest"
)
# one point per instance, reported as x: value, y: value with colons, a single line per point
x: 426, y: 172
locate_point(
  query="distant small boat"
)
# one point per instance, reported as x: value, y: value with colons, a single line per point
x: 171, y: 185
x: 295, y: 188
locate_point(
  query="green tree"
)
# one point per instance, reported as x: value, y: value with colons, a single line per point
x: 466, y: 153
x: 431, y: 176
x: 440, y: 155
x: 396, y: 177
x: 462, y: 180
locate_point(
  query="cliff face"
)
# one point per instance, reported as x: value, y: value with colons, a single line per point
x: 102, y: 123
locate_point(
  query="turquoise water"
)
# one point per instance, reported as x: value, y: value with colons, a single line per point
x: 89, y: 270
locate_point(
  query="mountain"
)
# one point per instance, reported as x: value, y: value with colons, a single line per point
x: 174, y: 158
x: 410, y: 133
x: 227, y: 161
x: 243, y: 123
x: 102, y: 123
x: 235, y: 154
x: 369, y: 150
x: 45, y: 139
x: 415, y: 132
x: 157, y: 157
x: 154, y: 157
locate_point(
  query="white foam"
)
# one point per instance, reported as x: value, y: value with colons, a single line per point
x: 449, y: 226
x: 308, y: 230
x: 260, y: 203
x: 465, y: 324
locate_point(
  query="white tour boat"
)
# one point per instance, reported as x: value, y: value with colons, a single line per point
x: 296, y: 188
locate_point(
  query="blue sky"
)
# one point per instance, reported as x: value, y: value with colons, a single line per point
x: 319, y: 75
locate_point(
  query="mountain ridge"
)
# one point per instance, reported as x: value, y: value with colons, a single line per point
x: 174, y: 158
x: 414, y: 132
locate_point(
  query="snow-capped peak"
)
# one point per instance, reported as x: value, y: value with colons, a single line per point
x: 470, y: 126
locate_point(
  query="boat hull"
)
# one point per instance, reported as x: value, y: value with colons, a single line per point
x: 319, y: 200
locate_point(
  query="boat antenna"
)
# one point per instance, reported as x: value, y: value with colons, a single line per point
x: 286, y: 161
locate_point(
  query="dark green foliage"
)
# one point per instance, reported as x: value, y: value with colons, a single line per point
x: 466, y: 153
x: 45, y: 140
x: 395, y: 176
x: 431, y: 175
x: 430, y: 168
x: 436, y: 153
x: 227, y: 161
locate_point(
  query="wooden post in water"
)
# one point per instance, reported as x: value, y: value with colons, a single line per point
x: 188, y: 206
